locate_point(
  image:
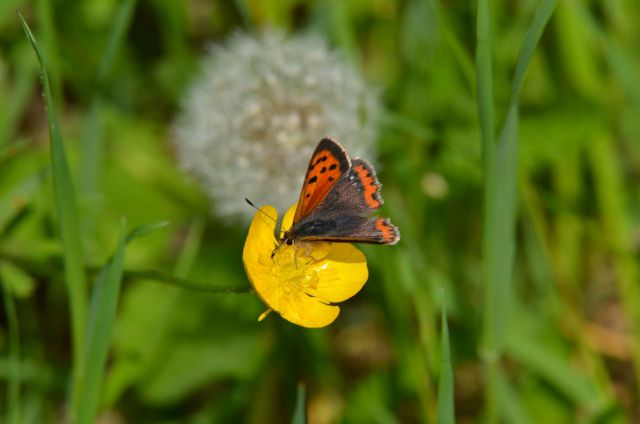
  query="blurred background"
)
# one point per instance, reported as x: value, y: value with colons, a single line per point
x: 183, y: 350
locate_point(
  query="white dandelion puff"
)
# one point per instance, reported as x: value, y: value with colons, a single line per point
x: 252, y: 119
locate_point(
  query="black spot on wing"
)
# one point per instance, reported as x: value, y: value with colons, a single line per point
x: 336, y: 151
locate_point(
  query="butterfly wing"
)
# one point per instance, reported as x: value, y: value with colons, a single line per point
x: 350, y: 229
x: 328, y: 164
x: 344, y: 214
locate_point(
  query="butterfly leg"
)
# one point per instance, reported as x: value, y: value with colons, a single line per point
x: 274, y: 251
x: 307, y: 248
x: 295, y: 255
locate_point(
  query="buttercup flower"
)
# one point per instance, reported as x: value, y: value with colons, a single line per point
x: 301, y: 282
x: 250, y: 121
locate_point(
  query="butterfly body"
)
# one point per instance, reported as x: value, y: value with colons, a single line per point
x: 338, y: 197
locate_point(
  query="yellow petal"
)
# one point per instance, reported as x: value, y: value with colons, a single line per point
x: 345, y: 267
x: 287, y: 221
x: 301, y: 280
x: 344, y: 272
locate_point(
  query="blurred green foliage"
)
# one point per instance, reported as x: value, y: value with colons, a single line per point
x: 118, y: 70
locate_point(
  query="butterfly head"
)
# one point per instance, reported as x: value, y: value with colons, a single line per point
x: 286, y: 239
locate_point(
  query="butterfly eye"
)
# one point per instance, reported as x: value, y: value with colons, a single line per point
x: 288, y: 242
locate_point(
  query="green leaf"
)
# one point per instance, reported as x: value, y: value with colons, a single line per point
x: 66, y: 213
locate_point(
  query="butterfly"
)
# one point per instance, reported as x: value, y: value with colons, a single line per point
x: 338, y: 197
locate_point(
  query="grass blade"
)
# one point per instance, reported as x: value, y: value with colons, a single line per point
x: 45, y: 16
x: 92, y: 136
x: 612, y: 200
x: 190, y: 248
x: 67, y: 214
x: 13, y: 392
x: 486, y: 114
x: 104, y: 304
x: 458, y: 50
x: 120, y: 24
x: 299, y: 412
x: 511, y: 405
x: 17, y: 100
x: 484, y: 81
x: 500, y: 165
x: 531, y: 39
x: 551, y: 365
x: 446, y: 404
x: 143, y: 230
x: 16, y: 199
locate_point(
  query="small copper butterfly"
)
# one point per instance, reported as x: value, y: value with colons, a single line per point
x: 338, y: 197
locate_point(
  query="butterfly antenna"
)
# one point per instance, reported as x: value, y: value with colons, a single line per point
x: 260, y: 210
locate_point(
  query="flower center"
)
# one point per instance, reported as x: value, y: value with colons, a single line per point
x: 297, y: 266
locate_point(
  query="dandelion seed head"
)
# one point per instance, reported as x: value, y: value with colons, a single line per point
x: 252, y: 119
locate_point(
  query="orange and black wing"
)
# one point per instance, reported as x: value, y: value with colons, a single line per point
x: 328, y: 163
x: 345, y: 214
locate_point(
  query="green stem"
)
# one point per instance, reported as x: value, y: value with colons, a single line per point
x: 45, y: 269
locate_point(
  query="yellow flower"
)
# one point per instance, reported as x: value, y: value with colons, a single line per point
x: 301, y: 281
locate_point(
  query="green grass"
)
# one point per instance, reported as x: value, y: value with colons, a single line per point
x: 500, y: 181
x: 67, y: 214
x: 18, y: 99
x: 92, y: 139
x: 104, y: 302
x: 509, y: 160
x: 612, y: 199
x: 13, y: 403
x: 300, y: 413
x: 446, y: 401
